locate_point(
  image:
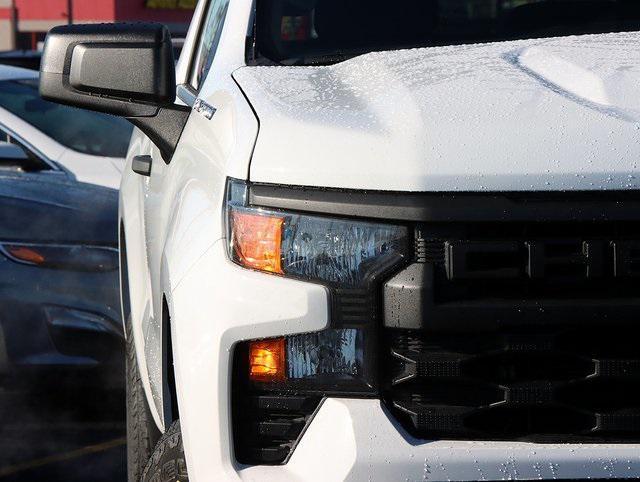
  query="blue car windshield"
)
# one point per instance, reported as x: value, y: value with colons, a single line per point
x: 80, y: 130
x: 306, y: 32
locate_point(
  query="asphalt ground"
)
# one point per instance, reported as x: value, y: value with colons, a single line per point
x: 64, y: 432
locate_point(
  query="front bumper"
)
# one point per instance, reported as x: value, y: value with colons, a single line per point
x: 356, y: 440
x: 59, y: 320
x: 348, y: 439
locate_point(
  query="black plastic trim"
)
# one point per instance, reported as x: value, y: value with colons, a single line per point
x: 142, y: 165
x: 458, y: 207
x: 165, y: 128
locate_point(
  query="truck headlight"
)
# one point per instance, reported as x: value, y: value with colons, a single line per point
x: 279, y: 382
x: 307, y: 358
x: 346, y: 255
x: 338, y: 252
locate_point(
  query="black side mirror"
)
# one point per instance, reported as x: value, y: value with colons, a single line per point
x: 123, y: 69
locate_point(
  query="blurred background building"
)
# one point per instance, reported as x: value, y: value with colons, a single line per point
x: 24, y: 23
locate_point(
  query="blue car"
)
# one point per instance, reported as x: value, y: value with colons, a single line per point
x: 59, y: 300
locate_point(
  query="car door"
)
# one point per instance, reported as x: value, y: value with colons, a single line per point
x: 157, y: 186
x: 161, y: 189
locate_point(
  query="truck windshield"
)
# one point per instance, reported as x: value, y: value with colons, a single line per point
x: 306, y: 32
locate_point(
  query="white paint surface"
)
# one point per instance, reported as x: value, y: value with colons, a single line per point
x: 99, y: 170
x: 531, y: 115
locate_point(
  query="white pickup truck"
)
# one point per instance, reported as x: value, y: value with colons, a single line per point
x: 376, y: 240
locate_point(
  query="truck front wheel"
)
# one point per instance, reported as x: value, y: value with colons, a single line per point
x: 167, y: 461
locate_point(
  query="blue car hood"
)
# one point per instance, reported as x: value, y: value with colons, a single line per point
x: 50, y: 207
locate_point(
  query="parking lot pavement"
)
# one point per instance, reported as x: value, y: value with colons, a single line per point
x: 66, y: 434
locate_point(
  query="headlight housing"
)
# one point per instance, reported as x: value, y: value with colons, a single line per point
x: 279, y: 382
x: 346, y: 255
x: 338, y: 252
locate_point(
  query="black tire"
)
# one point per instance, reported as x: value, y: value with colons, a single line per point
x: 142, y: 433
x: 167, y: 462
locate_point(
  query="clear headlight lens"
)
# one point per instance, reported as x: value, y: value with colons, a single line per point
x: 328, y: 357
x: 325, y: 354
x: 340, y: 252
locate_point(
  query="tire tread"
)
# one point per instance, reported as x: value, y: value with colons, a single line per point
x: 142, y: 433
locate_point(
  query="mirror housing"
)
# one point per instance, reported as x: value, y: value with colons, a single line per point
x: 124, y: 69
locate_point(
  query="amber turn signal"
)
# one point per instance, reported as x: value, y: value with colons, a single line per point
x: 267, y: 360
x: 26, y: 254
x: 256, y: 241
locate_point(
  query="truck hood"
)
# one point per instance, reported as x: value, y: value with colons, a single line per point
x: 544, y: 114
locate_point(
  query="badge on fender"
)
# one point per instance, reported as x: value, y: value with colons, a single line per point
x: 203, y: 108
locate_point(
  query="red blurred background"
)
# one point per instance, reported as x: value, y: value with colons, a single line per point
x: 24, y: 23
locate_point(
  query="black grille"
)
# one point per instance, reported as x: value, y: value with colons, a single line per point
x: 515, y: 331
x: 267, y: 427
x: 560, y: 383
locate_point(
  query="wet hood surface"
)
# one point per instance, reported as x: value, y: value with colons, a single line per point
x: 48, y: 207
x: 543, y: 114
